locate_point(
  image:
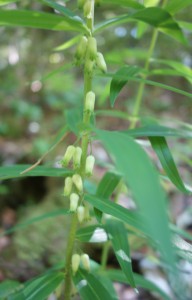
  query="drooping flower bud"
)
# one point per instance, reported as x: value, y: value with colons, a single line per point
x: 92, y: 47
x: 75, y: 261
x: 89, y: 165
x: 77, y: 180
x: 90, y: 102
x: 74, y: 198
x: 89, y: 66
x: 81, y: 48
x: 80, y: 3
x: 100, y: 61
x: 87, y: 9
x: 85, y: 261
x: 81, y: 213
x: 77, y: 157
x: 68, y: 156
x: 68, y: 186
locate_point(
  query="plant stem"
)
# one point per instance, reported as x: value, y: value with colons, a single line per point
x: 142, y: 84
x: 69, y: 251
x: 104, y: 256
x: 84, y: 146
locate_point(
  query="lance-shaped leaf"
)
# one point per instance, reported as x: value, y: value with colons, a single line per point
x: 105, y: 189
x: 161, y: 148
x: 120, y: 78
x: 41, y: 20
x: 15, y: 172
x: 8, y: 287
x: 174, y: 6
x: 93, y: 287
x: 118, y: 235
x: 92, y: 234
x: 142, y: 179
x: 125, y: 3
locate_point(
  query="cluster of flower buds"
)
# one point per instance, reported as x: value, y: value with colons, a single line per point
x: 73, y: 187
x: 83, y: 259
x: 87, y: 52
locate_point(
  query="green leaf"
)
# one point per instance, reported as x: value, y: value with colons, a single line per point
x: 116, y: 275
x: 141, y: 177
x: 15, y: 172
x: 120, y: 78
x: 41, y: 20
x: 105, y: 188
x: 40, y: 288
x: 153, y: 83
x: 174, y: 6
x: 149, y: 3
x: 132, y: 218
x: 154, y: 16
x: 161, y: 148
x: 92, y: 234
x: 185, y: 25
x: 68, y: 44
x: 36, y: 219
x: 4, y: 2
x: 74, y: 119
x: 62, y: 9
x: 8, y: 287
x: 91, y: 287
x: 178, y: 66
x: 158, y: 131
x: 118, y: 235
x: 126, y: 3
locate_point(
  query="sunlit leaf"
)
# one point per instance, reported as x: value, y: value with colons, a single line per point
x: 41, y: 20
x: 92, y: 234
x: 62, y: 9
x: 14, y: 171
x: 174, y: 6
x: 118, y: 236
x: 126, y: 3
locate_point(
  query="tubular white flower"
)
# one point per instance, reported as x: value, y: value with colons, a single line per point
x: 92, y: 48
x: 77, y: 157
x: 85, y: 261
x: 89, y: 165
x: 77, y: 180
x: 68, y: 186
x: 68, y: 155
x: 75, y: 261
x: 74, y: 199
x: 90, y: 101
x: 81, y: 213
x: 100, y: 61
x: 81, y: 48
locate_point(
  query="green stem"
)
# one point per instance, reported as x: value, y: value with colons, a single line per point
x: 104, y: 256
x: 142, y: 84
x: 69, y: 252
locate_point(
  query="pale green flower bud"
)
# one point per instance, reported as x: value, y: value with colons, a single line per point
x: 81, y: 48
x: 77, y: 180
x: 80, y: 3
x: 77, y: 157
x: 68, y: 186
x: 90, y: 102
x: 87, y: 9
x: 89, y: 66
x: 68, y: 155
x: 75, y: 261
x: 85, y: 261
x: 92, y: 47
x: 74, y: 199
x: 81, y: 213
x: 89, y: 165
x: 100, y: 61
